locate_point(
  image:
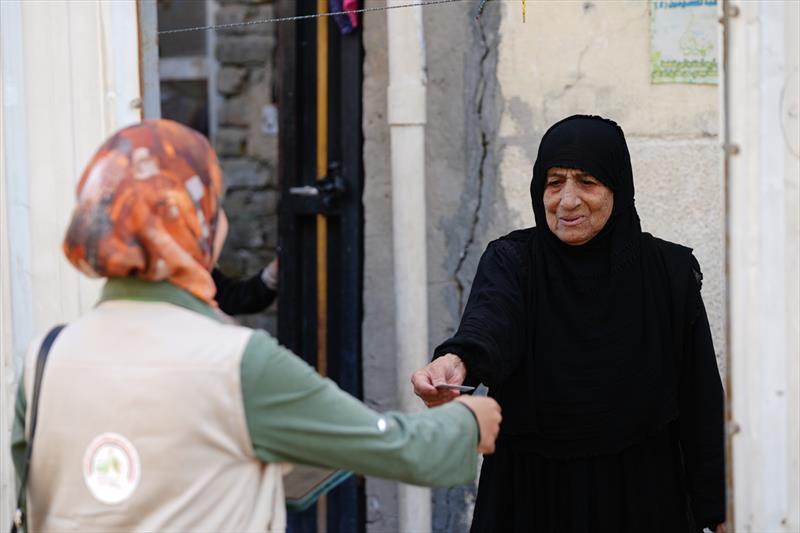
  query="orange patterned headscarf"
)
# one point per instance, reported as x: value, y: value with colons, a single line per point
x: 148, y: 205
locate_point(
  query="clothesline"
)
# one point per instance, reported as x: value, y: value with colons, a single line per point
x: 313, y: 16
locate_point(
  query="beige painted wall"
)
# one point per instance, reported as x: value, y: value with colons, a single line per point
x: 593, y: 58
x: 69, y: 77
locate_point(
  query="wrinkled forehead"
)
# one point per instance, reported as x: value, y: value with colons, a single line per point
x: 577, y: 167
x: 567, y: 172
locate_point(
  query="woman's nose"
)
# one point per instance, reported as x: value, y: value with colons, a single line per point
x: 570, y: 199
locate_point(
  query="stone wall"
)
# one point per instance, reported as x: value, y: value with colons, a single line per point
x: 247, y: 140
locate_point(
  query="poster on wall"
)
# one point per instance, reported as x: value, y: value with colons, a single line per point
x: 683, y: 41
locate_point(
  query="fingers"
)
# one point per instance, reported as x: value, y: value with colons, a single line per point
x: 492, y: 429
x: 447, y: 369
x: 441, y: 398
x: 487, y: 413
x: 423, y: 384
x: 425, y: 389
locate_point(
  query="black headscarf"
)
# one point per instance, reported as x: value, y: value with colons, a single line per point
x: 607, y: 317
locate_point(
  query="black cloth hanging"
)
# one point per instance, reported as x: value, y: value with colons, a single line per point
x: 595, y: 353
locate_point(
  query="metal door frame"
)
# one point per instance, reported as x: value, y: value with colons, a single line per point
x: 324, y: 328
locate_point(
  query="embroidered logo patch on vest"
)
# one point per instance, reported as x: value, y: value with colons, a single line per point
x: 111, y: 468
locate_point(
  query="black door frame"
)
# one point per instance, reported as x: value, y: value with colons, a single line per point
x: 340, y: 201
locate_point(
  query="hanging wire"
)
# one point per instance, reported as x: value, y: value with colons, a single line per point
x: 305, y: 17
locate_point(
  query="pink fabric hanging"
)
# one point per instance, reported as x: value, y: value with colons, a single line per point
x: 346, y: 22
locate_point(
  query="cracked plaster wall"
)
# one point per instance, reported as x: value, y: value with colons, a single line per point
x: 462, y: 116
x: 494, y: 86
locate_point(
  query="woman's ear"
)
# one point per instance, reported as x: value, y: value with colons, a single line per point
x: 219, y: 236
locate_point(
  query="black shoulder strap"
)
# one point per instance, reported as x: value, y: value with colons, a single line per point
x: 41, y: 359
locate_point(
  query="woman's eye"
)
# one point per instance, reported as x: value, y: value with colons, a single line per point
x: 589, y: 182
x: 552, y: 183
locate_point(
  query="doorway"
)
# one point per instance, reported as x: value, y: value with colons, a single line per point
x: 321, y: 218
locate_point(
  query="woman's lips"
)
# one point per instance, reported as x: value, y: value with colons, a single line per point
x: 572, y: 221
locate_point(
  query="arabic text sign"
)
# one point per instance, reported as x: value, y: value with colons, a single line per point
x: 683, y: 41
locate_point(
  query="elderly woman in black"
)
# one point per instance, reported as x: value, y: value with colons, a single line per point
x: 593, y: 337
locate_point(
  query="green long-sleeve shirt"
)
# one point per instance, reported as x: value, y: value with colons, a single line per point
x: 295, y: 415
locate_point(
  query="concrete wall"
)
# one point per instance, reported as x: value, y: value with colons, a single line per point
x: 494, y: 86
x: 380, y: 384
x: 459, y: 65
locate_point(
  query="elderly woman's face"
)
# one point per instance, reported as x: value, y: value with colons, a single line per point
x: 577, y: 205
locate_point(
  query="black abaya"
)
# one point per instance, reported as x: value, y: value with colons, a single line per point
x: 668, y: 480
x: 601, y: 358
x: 240, y: 297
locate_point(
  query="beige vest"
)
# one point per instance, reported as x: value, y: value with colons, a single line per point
x: 142, y: 427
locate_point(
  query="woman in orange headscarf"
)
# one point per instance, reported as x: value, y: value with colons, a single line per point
x: 155, y: 414
x: 148, y: 202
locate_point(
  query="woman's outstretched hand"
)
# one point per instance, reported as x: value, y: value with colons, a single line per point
x: 448, y: 369
x: 487, y: 413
